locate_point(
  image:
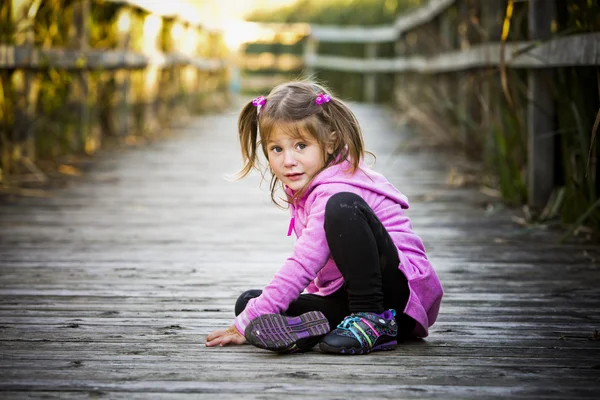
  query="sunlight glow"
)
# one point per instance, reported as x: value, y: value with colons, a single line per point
x: 124, y: 21
x: 152, y: 26
x: 236, y: 33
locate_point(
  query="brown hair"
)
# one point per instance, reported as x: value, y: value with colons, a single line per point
x: 291, y: 106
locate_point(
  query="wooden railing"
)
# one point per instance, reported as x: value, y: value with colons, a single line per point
x: 275, y: 56
x: 161, y: 66
x: 458, y: 53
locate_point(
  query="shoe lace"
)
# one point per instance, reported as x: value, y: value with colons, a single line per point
x: 348, y: 322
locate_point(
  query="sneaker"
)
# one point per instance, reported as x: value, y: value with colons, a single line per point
x: 362, y: 333
x: 284, y: 334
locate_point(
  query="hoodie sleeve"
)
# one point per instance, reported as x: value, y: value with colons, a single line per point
x: 309, y: 255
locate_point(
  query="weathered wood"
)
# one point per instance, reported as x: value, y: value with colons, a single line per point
x: 575, y: 50
x: 422, y: 15
x: 26, y: 89
x: 390, y: 33
x: 370, y: 79
x: 27, y: 58
x: 354, y: 34
x: 492, y: 17
x: 540, y: 113
x: 310, y: 53
x: 109, y: 287
x: 79, y: 40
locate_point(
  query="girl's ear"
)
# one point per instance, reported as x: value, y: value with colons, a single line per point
x: 330, y: 145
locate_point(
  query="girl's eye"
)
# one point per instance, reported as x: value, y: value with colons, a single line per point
x: 301, y: 146
x: 276, y: 149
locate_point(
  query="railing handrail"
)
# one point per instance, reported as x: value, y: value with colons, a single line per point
x: 383, y: 33
x: 575, y: 50
x: 36, y: 58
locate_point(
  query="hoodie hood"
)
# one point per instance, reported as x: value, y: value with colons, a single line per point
x: 364, y: 178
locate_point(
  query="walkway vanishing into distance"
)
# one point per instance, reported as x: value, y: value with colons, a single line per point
x: 109, y: 287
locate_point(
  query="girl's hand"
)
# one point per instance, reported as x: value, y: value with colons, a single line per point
x: 224, y: 337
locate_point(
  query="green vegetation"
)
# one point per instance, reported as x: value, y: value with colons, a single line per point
x: 340, y: 13
x: 482, y: 113
x: 494, y: 131
x: 52, y: 116
x: 337, y: 12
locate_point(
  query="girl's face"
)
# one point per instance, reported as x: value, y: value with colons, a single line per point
x: 294, y: 161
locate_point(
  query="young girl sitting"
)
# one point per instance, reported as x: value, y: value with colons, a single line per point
x: 364, y: 270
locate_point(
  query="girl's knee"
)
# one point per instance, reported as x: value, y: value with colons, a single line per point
x: 244, y: 298
x: 341, y: 204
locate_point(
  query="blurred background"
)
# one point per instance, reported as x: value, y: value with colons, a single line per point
x: 509, y: 88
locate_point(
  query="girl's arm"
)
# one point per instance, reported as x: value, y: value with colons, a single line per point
x: 308, y: 257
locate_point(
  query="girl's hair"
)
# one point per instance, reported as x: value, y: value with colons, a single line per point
x: 292, y: 107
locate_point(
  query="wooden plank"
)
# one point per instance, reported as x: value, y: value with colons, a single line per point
x: 370, y: 79
x: 290, y: 386
x: 27, y: 58
x: 109, y: 287
x: 79, y: 41
x: 390, y: 33
x: 575, y: 50
x: 262, y: 61
x: 422, y: 15
x: 353, y: 34
x: 130, y: 351
x: 540, y: 113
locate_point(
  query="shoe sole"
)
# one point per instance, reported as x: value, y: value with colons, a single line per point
x: 353, y: 351
x: 280, y: 333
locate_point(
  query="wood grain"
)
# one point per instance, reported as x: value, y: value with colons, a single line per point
x: 109, y: 287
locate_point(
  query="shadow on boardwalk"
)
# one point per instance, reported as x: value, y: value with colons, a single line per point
x: 110, y: 286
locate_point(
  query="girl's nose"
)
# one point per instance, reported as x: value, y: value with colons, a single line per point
x: 289, y: 160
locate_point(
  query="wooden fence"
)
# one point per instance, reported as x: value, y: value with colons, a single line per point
x: 466, y: 50
x: 274, y: 55
x: 76, y: 73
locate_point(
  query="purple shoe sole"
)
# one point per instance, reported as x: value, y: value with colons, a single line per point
x: 281, y: 334
x: 357, y: 351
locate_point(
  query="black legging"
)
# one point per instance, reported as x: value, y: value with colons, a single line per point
x: 368, y: 261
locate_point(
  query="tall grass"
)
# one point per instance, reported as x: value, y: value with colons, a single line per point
x: 340, y: 13
x: 47, y: 119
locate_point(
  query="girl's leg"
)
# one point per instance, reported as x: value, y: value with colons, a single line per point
x: 300, y: 328
x: 334, y: 306
x: 244, y: 298
x: 365, y: 255
x: 368, y: 260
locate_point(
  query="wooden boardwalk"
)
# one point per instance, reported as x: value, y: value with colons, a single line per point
x: 109, y: 288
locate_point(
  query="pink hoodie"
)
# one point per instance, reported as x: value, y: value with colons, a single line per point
x: 311, y: 267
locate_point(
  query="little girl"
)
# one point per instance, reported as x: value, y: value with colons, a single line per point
x: 364, y: 270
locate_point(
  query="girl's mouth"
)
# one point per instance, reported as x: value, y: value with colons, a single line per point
x: 294, y: 176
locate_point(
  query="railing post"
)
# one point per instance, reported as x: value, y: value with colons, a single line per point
x: 122, y: 77
x: 26, y: 88
x: 540, y: 112
x: 310, y: 52
x: 148, y: 107
x: 470, y: 113
x: 79, y: 40
x: 370, y: 79
x: 492, y: 17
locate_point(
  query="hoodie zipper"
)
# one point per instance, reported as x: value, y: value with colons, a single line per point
x: 292, y: 220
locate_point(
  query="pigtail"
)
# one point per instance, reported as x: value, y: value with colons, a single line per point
x: 248, y: 134
x: 348, y: 141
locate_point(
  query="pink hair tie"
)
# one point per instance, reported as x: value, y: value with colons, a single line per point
x: 322, y: 98
x: 259, y: 101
